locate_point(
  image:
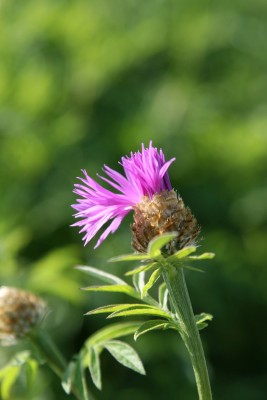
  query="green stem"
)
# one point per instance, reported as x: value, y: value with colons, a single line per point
x: 180, y: 300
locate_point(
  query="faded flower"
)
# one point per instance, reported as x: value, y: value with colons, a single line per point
x: 20, y: 311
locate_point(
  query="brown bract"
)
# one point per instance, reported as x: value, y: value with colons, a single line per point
x: 165, y: 212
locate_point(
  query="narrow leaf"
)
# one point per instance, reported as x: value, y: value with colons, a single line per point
x: 156, y: 244
x: 112, y: 331
x: 153, y: 325
x: 139, y: 281
x: 68, y: 377
x: 8, y: 381
x: 204, y: 256
x: 125, y: 355
x: 152, y: 280
x: 115, y: 307
x: 130, y: 257
x: 163, y: 296
x: 94, y: 367
x: 184, y: 252
x: 114, y: 288
x: 102, y: 275
x: 80, y: 381
x: 203, y: 317
x: 143, y: 311
x: 142, y: 268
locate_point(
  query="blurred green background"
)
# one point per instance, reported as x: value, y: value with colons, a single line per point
x: 83, y: 83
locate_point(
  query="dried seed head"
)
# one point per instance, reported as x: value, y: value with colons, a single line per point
x: 165, y: 212
x: 20, y: 311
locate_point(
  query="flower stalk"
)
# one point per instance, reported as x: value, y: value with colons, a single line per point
x: 180, y: 301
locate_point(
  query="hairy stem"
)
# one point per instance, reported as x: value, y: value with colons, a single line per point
x: 180, y: 301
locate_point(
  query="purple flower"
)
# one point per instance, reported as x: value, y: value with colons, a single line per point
x: 145, y: 175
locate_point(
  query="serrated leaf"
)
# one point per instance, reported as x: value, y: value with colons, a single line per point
x: 139, y: 281
x: 94, y: 367
x: 102, y: 275
x: 125, y: 355
x: 80, y: 381
x: 143, y: 311
x: 116, y: 308
x: 204, y: 256
x: 152, y: 280
x: 163, y: 296
x: 156, y: 244
x: 114, y: 288
x: 153, y: 325
x: 112, y: 331
x: 130, y: 257
x: 142, y: 268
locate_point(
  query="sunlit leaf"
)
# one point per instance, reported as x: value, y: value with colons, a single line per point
x: 156, y: 244
x: 186, y: 251
x: 114, y: 288
x: 204, y: 256
x: 201, y: 320
x: 8, y: 380
x: 112, y: 331
x: 125, y: 355
x: 130, y: 257
x: 152, y: 280
x: 163, y: 295
x: 141, y: 312
x: 153, y: 325
x: 68, y: 377
x: 102, y: 275
x: 94, y: 367
x: 139, y: 281
x: 141, y: 268
x: 116, y: 307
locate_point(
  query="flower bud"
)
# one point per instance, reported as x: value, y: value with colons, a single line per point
x: 20, y: 311
x: 164, y: 212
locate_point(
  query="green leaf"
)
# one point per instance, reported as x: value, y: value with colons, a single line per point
x: 163, y: 296
x: 204, y: 256
x: 115, y: 307
x: 142, y: 268
x: 80, y: 381
x: 153, y: 325
x: 102, y: 275
x: 94, y: 366
x: 139, y: 281
x: 130, y: 257
x: 125, y: 355
x: 127, y: 289
x: 8, y: 380
x: 68, y: 377
x: 142, y: 311
x: 152, y: 280
x: 156, y: 244
x: 112, y: 331
x: 184, y: 252
x: 201, y: 320
x: 30, y: 367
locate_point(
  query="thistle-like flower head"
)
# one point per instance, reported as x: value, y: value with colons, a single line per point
x: 145, y: 176
x: 20, y: 312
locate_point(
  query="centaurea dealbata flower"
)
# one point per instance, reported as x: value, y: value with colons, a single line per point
x: 144, y: 188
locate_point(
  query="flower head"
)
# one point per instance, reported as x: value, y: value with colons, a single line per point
x: 145, y: 176
x: 20, y: 311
